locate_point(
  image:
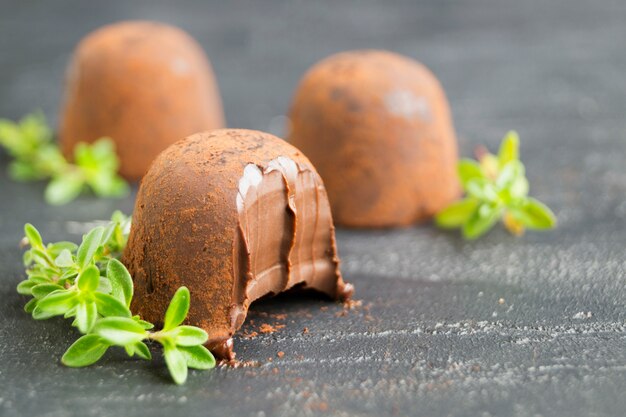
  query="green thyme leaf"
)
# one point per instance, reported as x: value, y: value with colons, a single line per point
x: 109, y: 306
x: 535, y: 215
x: 25, y: 287
x: 189, y: 336
x: 86, y: 351
x: 56, y: 248
x: 481, y: 221
x: 141, y: 350
x: 177, y: 310
x: 145, y: 324
x: 29, y: 307
x: 121, y: 282
x: 42, y: 290
x: 469, y: 170
x: 55, y: 304
x: 89, y: 246
x: 33, y: 236
x: 64, y: 188
x: 176, y: 364
x: 456, y: 214
x: 86, y: 315
x: 104, y: 286
x: 64, y: 260
x: 119, y: 331
x: 197, y: 357
x: 88, y: 279
x: 509, y: 149
x: 510, y: 172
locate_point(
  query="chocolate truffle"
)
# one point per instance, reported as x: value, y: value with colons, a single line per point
x: 234, y: 215
x: 143, y: 84
x: 377, y: 127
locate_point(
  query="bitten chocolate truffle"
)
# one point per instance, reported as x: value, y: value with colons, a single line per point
x: 143, y: 84
x: 377, y: 127
x: 234, y: 215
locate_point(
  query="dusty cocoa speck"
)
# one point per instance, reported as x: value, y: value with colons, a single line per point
x: 280, y: 316
x: 124, y: 91
x: 377, y: 126
x: 250, y: 335
x: 275, y: 370
x: 318, y: 406
x: 280, y: 354
x: 267, y: 328
x: 324, y: 308
x: 352, y: 304
x: 233, y: 363
x: 305, y: 330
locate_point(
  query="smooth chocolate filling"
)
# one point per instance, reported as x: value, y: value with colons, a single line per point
x: 283, y: 238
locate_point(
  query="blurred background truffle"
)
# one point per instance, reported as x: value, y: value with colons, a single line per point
x: 143, y: 84
x: 377, y: 126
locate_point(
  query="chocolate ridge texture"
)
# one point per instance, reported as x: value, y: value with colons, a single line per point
x: 377, y: 127
x: 234, y: 215
x: 143, y: 84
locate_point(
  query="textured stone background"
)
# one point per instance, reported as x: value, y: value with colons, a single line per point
x: 432, y: 337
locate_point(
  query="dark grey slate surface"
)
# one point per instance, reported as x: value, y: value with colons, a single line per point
x: 432, y: 337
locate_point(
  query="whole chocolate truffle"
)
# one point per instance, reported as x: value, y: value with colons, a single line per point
x: 143, y: 84
x: 377, y: 127
x: 234, y: 215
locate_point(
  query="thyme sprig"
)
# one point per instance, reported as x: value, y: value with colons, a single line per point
x: 88, y: 284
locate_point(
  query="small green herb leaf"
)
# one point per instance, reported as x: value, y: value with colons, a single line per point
x: 29, y: 307
x: 535, y: 215
x: 86, y: 315
x: 456, y: 214
x: 88, y: 279
x: 189, y: 336
x: 25, y: 287
x: 469, y: 170
x: 55, y: 304
x: 177, y: 310
x: 64, y: 260
x: 121, y: 282
x: 85, y: 351
x: 119, y: 331
x: 33, y: 236
x: 176, y: 364
x: 89, y: 246
x: 141, y: 350
x: 42, y: 290
x: 481, y: 221
x: 64, y: 188
x: 509, y: 149
x: 198, y: 357
x: 109, y: 306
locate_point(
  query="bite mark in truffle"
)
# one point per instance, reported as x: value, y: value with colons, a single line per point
x: 234, y: 215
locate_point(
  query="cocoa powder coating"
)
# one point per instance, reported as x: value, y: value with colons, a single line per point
x: 377, y: 127
x: 234, y: 215
x: 142, y: 84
